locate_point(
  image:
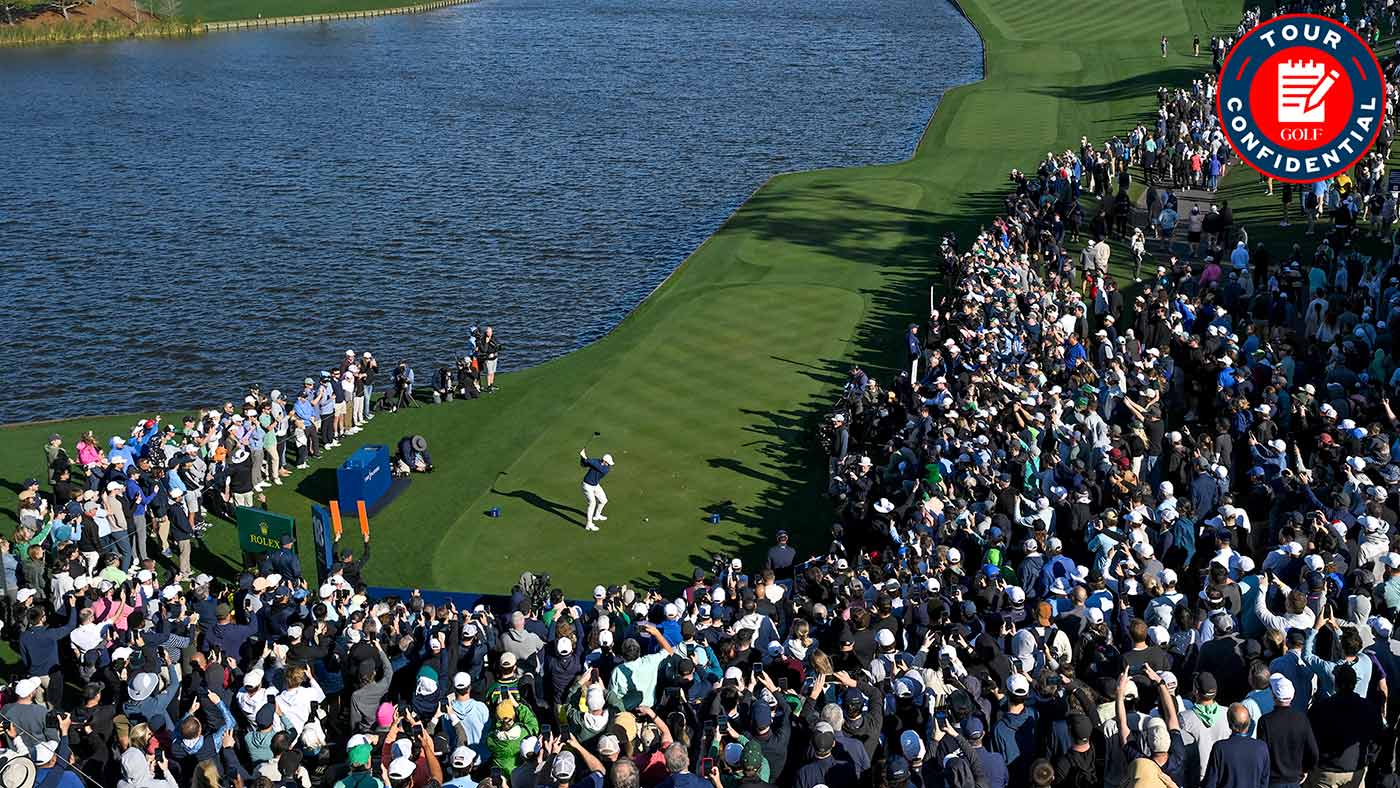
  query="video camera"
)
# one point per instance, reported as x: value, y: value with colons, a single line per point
x: 535, y: 588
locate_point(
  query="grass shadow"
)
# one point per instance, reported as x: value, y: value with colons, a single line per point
x: 320, y: 485
x: 545, y: 505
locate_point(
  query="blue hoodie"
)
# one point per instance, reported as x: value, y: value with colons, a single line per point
x: 304, y: 409
x: 124, y: 450
x: 138, y: 497
x: 1014, y: 736
x: 138, y: 444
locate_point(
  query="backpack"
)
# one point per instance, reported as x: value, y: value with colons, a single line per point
x: 1070, y: 776
x: 1041, y: 641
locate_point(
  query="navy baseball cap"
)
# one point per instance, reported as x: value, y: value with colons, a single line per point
x: 761, y: 715
x: 897, y: 769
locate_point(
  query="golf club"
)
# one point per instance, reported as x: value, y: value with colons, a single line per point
x: 590, y: 440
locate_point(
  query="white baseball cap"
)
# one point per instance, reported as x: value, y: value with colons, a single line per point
x: 1018, y: 685
x: 44, y: 752
x: 1381, y: 626
x: 27, y: 686
x: 402, y: 768
x: 463, y: 757
x: 564, y: 765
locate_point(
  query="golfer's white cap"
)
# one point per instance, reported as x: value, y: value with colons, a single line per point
x: 607, y: 458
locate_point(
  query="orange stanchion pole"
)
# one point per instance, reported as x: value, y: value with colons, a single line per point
x: 335, y: 519
x: 364, y: 520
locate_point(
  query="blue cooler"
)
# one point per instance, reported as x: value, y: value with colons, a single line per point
x: 364, y: 477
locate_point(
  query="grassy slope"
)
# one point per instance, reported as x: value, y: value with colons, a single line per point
x: 707, y: 392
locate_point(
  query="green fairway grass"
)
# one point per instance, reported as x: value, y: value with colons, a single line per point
x: 223, y: 10
x: 707, y: 394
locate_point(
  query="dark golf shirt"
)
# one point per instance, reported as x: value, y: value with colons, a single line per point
x: 1292, y: 748
x: 596, y: 470
x: 1237, y: 762
x: 1343, y: 724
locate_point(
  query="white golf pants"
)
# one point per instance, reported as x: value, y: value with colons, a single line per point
x: 597, y: 499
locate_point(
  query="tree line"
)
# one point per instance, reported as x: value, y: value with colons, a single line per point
x: 16, y: 11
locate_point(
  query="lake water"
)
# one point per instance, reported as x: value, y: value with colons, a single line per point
x: 179, y: 219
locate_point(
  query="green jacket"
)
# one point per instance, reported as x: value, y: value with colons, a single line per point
x: 505, y: 744
x: 575, y: 705
x: 22, y: 549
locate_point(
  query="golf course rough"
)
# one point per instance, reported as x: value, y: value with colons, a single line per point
x: 707, y: 394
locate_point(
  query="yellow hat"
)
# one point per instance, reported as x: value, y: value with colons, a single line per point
x: 505, y: 710
x: 628, y: 723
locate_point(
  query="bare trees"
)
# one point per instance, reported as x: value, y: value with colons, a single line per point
x: 19, y: 9
x: 63, y: 6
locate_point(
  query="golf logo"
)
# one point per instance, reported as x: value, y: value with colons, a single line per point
x: 1301, y: 98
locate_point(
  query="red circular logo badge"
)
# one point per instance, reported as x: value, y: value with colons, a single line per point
x: 1301, y: 98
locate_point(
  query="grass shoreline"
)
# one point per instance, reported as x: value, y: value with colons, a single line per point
x: 67, y: 32
x: 708, y: 390
x: 226, y: 16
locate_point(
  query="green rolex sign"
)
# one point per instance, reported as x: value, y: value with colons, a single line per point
x: 260, y: 531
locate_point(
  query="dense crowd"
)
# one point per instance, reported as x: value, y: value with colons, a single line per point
x: 158, y: 487
x: 1080, y: 541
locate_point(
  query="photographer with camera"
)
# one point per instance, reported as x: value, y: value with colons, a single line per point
x: 468, y: 378
x: 444, y: 386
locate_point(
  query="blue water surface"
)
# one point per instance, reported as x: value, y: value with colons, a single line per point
x: 179, y: 219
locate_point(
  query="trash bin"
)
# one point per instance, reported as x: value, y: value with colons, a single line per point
x: 364, y: 476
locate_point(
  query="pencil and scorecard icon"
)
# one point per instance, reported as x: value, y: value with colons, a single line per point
x: 1302, y: 91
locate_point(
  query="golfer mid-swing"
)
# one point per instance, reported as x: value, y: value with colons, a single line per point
x: 593, y: 485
